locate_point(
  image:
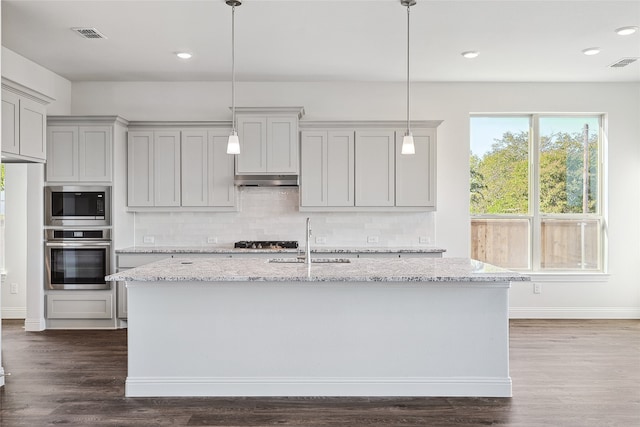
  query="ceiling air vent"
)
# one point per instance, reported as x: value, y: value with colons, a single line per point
x: 89, y: 33
x: 623, y: 62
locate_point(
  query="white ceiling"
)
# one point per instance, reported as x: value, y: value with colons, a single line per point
x: 323, y: 40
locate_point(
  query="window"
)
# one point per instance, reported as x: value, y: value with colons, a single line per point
x: 536, y: 192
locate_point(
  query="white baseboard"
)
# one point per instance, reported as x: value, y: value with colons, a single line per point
x: 574, y: 313
x: 14, y: 312
x: 262, y: 386
x: 35, y: 324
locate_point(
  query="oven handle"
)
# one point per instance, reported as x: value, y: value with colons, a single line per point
x: 77, y: 244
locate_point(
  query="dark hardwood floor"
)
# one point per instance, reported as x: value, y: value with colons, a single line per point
x: 565, y: 373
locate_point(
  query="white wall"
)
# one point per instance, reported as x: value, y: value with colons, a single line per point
x: 453, y: 102
x: 26, y: 72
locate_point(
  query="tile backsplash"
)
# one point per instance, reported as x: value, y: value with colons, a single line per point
x: 271, y: 213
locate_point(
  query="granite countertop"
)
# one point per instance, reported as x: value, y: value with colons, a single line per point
x: 318, y: 250
x: 185, y: 269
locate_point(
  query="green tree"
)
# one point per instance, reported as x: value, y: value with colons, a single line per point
x: 504, y: 174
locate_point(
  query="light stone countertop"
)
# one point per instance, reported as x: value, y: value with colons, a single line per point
x: 317, y: 249
x: 185, y: 269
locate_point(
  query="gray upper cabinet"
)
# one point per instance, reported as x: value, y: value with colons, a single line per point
x: 327, y: 168
x: 375, y: 168
x: 24, y: 124
x: 415, y: 184
x: 153, y: 168
x: 79, y: 153
x: 183, y: 168
x: 207, y: 169
x: 358, y: 166
x: 268, y: 140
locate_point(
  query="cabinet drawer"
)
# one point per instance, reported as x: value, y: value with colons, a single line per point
x: 73, y: 305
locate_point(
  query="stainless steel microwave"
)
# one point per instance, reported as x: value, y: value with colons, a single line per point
x: 77, y: 205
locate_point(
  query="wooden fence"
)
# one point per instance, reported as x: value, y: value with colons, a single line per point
x: 565, y: 244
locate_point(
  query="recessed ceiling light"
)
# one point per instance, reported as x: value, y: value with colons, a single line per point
x: 470, y: 54
x: 625, y: 31
x: 591, y: 51
x: 183, y: 55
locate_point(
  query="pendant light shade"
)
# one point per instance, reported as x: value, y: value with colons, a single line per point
x: 233, y: 145
x: 408, y: 147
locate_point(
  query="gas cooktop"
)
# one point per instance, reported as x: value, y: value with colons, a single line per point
x: 266, y: 244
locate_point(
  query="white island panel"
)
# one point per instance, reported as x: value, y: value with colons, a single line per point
x: 256, y: 338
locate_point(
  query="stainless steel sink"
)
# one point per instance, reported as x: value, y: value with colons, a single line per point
x: 313, y: 260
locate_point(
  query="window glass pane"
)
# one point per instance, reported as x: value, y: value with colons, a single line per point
x: 501, y: 242
x: 570, y: 244
x: 499, y: 165
x: 569, y: 164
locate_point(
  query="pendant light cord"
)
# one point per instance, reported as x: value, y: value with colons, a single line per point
x: 233, y: 68
x: 408, y: 80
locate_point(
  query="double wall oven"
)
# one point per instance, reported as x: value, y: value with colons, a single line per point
x: 77, y: 237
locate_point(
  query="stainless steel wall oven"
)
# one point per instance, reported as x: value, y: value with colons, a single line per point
x: 77, y: 259
x: 77, y: 206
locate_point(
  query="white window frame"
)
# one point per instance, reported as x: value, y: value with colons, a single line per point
x: 535, y: 217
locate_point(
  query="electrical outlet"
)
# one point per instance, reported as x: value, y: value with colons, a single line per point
x: 321, y: 240
x: 372, y: 239
x: 149, y: 239
x: 14, y: 288
x: 424, y: 240
x: 537, y: 288
x: 212, y: 240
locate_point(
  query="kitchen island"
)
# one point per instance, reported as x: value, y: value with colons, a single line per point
x: 367, y: 327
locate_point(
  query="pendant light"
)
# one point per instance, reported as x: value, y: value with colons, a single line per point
x: 233, y: 145
x: 408, y: 146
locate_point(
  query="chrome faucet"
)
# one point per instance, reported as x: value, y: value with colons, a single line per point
x: 307, y: 254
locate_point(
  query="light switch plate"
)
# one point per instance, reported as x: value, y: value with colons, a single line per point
x: 148, y: 239
x: 373, y: 239
x: 321, y: 240
x: 212, y: 240
x: 424, y: 240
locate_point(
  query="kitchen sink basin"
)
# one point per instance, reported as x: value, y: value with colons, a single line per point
x: 313, y: 260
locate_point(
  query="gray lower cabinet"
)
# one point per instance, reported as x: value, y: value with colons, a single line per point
x: 75, y: 309
x: 125, y: 262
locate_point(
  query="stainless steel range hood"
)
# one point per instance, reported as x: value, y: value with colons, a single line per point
x: 266, y: 180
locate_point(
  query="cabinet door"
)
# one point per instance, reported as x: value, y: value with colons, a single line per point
x: 375, y: 164
x: 166, y: 164
x: 340, y: 168
x: 313, y: 169
x: 62, y: 153
x: 94, y: 152
x: 282, y: 145
x: 10, y: 122
x: 416, y: 173
x: 252, y: 131
x: 33, y: 125
x: 140, y: 169
x: 222, y: 191
x: 195, y: 186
